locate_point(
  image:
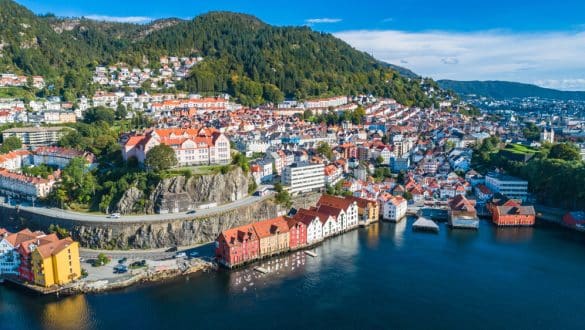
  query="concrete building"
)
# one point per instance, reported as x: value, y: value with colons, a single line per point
x: 37, y: 136
x: 303, y: 177
x: 510, y: 186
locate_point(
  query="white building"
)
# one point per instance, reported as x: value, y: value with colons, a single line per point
x: 509, y: 186
x: 59, y: 157
x: 394, y: 209
x: 37, y: 136
x: 206, y: 146
x: 9, y: 257
x: 22, y: 186
x: 313, y: 223
x: 303, y: 177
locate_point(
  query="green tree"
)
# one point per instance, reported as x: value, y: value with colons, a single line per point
x: 325, y: 149
x: 531, y: 131
x: 565, y: 151
x: 98, y: 114
x: 160, y: 158
x: 10, y: 143
x: 121, y: 112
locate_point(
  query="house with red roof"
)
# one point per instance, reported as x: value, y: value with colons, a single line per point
x: 205, y: 146
x: 237, y: 246
x: 349, y: 207
x: 313, y: 223
x: 514, y: 215
x: 273, y: 235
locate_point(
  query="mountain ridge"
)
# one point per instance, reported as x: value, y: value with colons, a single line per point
x: 498, y: 89
x: 245, y: 57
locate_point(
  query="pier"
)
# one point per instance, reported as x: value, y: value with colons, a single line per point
x: 424, y: 224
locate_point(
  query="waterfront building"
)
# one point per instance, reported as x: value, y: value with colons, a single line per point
x: 9, y: 258
x: 501, y: 200
x: 313, y: 224
x: 349, y: 206
x: 303, y: 177
x: 368, y: 210
x: 507, y: 185
x: 27, y: 243
x: 297, y: 233
x: 462, y: 213
x: 56, y: 262
x: 514, y: 216
x: 575, y: 220
x: 37, y: 136
x: 394, y: 209
x: 237, y: 246
x: 273, y: 235
x: 205, y: 146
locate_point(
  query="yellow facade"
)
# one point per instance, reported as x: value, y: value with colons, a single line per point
x: 274, y: 244
x: 42, y: 269
x: 58, y: 268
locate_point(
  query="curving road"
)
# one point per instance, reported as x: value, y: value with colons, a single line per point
x: 88, y: 217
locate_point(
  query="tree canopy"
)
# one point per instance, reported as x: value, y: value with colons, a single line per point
x: 160, y: 158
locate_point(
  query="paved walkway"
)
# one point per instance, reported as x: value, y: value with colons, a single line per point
x: 87, y: 217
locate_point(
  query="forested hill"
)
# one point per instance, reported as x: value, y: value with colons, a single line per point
x: 506, y: 90
x: 243, y: 56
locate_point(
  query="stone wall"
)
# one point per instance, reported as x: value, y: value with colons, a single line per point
x: 180, y: 194
x: 151, y: 235
x: 148, y: 235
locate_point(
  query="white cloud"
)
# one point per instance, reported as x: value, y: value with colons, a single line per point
x: 564, y: 84
x: 322, y: 20
x: 120, y: 19
x: 553, y: 58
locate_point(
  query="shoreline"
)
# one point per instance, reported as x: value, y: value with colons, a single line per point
x: 141, y: 276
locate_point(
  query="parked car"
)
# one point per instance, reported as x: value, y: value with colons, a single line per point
x: 120, y: 269
x: 181, y: 255
x: 123, y: 260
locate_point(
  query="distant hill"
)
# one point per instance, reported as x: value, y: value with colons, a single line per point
x: 506, y: 90
x: 243, y: 56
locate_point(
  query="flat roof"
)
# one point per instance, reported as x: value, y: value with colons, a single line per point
x: 35, y: 129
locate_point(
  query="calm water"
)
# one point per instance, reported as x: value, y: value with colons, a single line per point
x: 384, y: 276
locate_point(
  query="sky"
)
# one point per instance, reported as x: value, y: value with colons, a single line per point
x: 539, y: 41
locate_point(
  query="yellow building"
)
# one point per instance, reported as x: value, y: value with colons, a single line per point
x: 273, y: 235
x: 368, y: 210
x: 56, y: 263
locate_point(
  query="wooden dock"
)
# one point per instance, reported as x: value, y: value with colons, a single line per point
x: 424, y: 224
x: 261, y: 270
x: 311, y: 253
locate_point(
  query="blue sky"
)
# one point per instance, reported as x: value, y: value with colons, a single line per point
x: 528, y: 41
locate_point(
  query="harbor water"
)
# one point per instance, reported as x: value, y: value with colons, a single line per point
x: 382, y: 277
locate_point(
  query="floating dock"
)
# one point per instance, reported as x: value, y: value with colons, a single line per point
x: 311, y: 253
x: 261, y: 270
x: 464, y: 222
x: 424, y: 224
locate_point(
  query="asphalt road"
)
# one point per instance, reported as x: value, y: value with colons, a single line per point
x: 87, y: 217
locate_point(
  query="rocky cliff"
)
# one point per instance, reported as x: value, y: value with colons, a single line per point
x: 179, y: 194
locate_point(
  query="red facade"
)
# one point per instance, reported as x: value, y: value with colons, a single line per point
x: 237, y: 246
x: 297, y: 233
x: 514, y: 216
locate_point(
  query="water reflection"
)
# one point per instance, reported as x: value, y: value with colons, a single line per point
x: 462, y: 236
x: 279, y: 269
x: 397, y: 230
x: 513, y: 234
x: 69, y: 313
x: 373, y: 235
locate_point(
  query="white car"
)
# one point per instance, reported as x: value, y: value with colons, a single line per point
x: 115, y: 215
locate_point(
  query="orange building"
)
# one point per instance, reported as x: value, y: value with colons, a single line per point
x: 514, y: 216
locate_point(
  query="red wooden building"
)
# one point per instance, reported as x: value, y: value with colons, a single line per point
x: 237, y: 246
x: 514, y: 216
x: 297, y: 233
